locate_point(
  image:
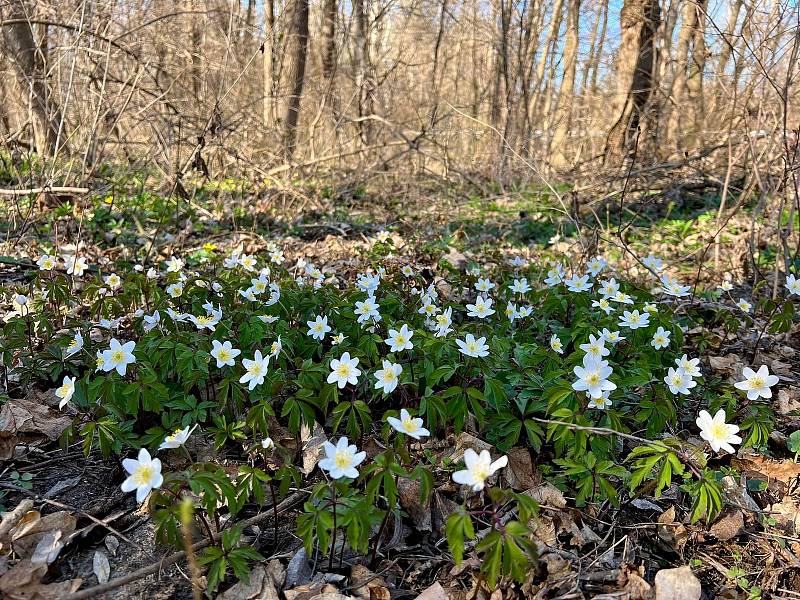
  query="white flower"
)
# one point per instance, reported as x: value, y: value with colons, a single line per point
x: 593, y: 377
x: 175, y: 290
x: 20, y: 305
x: 578, y: 284
x: 719, y: 434
x: 368, y: 283
x: 604, y: 305
x: 318, y: 328
x: 793, y: 284
x: 673, y: 287
x: 484, y: 285
x: 176, y: 316
x: 66, y: 390
x: 388, y: 376
x: 225, y: 353
x: 679, y: 381
x: 248, y: 262
x: 479, y: 468
x: 410, y: 426
x: 267, y: 318
x: 113, y: 281
x: 472, y: 347
x: 99, y: 361
x: 652, y: 262
x: 555, y: 276
x: 150, y: 322
x: 276, y: 256
x: 256, y: 370
x: 177, y: 438
x: 609, y: 288
x: 118, y: 356
x: 367, y: 309
x: 267, y: 443
x: 757, y: 384
x: 144, y: 475
x: 407, y: 271
x: 76, y: 265
x: 622, y: 298
x: 344, y: 370
x: 595, y: 347
x: 556, y: 344
x: 744, y: 305
x: 691, y: 366
x: 337, y: 339
x: 481, y: 309
x: 341, y: 460
x: 511, y: 312
x: 725, y: 286
x: 204, y: 322
x: 382, y: 236
x: 400, y: 340
x: 596, y: 265
x: 276, y: 347
x: 174, y: 264
x: 660, y: 338
x: 600, y: 403
x: 47, y: 262
x: 612, y: 337
x: 521, y: 286
x: 634, y: 319
x: 75, y: 345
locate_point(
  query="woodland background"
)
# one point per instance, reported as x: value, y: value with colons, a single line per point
x: 477, y: 90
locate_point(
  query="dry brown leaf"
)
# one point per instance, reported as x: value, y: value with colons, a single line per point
x: 548, y: 495
x: 631, y: 581
x: 33, y: 527
x: 520, y: 473
x: 28, y: 420
x: 788, y: 400
x: 367, y: 585
x: 434, y: 592
x: 23, y: 580
x: 677, y: 584
x: 260, y: 586
x: 408, y: 494
x: 728, y: 525
x: 672, y: 532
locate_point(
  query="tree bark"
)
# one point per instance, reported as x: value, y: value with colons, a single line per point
x: 268, y: 67
x: 639, y: 22
x: 22, y: 50
x: 294, y: 73
x: 329, y: 9
x: 567, y: 90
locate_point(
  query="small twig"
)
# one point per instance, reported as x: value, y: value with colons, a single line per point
x: 177, y: 556
x: 39, y: 190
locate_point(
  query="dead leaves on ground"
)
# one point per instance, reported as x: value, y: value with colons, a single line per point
x: 29, y: 543
x: 29, y: 420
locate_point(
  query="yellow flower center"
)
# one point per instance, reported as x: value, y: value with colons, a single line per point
x: 401, y: 340
x: 410, y: 426
x: 254, y: 369
x: 472, y: 347
x: 117, y: 356
x: 481, y: 472
x: 757, y: 383
x: 593, y: 378
x: 718, y: 431
x: 342, y: 459
x: 143, y: 475
x: 64, y: 389
x: 343, y: 370
x: 224, y: 355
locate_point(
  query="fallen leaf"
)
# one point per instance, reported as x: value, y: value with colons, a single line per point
x: 260, y: 586
x: 788, y: 400
x: 408, y: 494
x: 547, y: 494
x: 673, y: 533
x: 728, y: 525
x: 48, y: 548
x: 312, y: 446
x: 677, y: 584
x: 433, y: 592
x: 27, y: 420
x: 23, y: 580
x: 100, y: 566
x: 520, y: 473
x: 367, y: 585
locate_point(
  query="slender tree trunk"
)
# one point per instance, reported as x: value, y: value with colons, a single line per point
x: 639, y: 22
x: 591, y: 60
x: 294, y: 73
x: 694, y: 79
x: 329, y: 9
x: 22, y: 51
x: 599, y: 52
x: 728, y: 40
x: 268, y: 70
x: 567, y: 90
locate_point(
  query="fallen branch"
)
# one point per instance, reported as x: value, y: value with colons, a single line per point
x: 178, y: 556
x: 58, y: 189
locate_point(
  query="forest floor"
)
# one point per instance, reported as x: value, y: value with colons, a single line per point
x: 638, y: 550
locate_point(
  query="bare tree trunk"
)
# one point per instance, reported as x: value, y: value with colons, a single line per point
x: 549, y: 46
x: 567, y: 91
x: 694, y: 80
x: 639, y: 22
x: 361, y: 59
x: 268, y: 70
x: 727, y: 38
x: 592, y: 59
x: 294, y: 73
x: 329, y: 9
x: 599, y: 52
x: 22, y: 50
